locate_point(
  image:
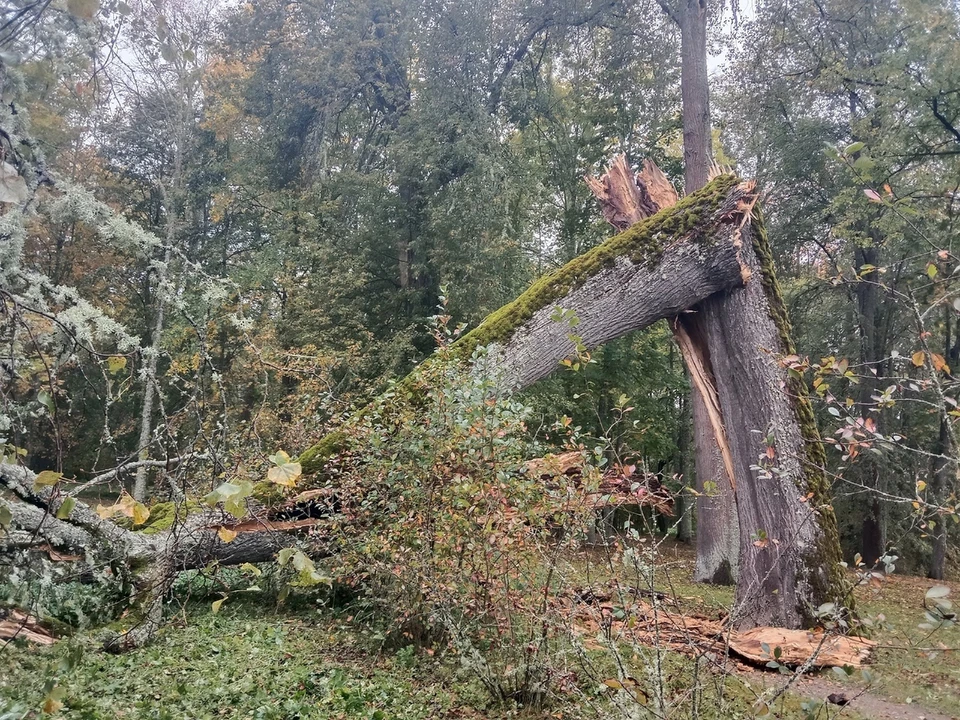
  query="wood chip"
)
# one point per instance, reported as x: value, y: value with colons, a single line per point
x: 798, y: 646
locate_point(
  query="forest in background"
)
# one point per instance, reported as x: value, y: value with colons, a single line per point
x: 227, y: 227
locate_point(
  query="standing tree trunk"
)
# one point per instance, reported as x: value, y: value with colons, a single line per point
x: 789, y: 544
x: 718, y: 540
x: 684, y: 507
x: 944, y: 472
x: 149, y: 385
x: 695, y: 95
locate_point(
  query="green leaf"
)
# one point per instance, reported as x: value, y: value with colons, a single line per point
x: 250, y: 568
x: 83, y: 9
x: 854, y: 147
x: 66, y: 507
x: 45, y: 399
x: 6, y: 517
x: 283, y: 557
x: 47, y: 478
x: 235, y: 507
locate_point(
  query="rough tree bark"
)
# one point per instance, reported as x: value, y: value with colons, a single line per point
x: 789, y: 545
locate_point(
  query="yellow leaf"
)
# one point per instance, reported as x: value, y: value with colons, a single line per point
x: 215, y: 605
x: 51, y: 705
x: 140, y: 513
x: 285, y: 474
x: 918, y: 358
x: 921, y: 486
x: 226, y: 534
x: 105, y: 511
x: 615, y: 684
x: 116, y: 363
x: 47, y: 478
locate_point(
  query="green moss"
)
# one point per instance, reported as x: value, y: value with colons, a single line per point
x: 269, y: 493
x: 831, y: 584
x: 644, y: 243
x: 332, y: 443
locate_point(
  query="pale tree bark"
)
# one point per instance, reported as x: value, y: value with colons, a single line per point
x: 149, y: 388
x: 152, y: 560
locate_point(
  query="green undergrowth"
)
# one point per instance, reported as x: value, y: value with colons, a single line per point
x: 913, y: 665
x: 250, y: 662
x: 318, y: 657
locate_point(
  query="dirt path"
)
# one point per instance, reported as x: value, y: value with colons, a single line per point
x: 865, y: 702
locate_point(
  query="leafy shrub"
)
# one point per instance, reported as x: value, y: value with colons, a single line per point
x: 460, y: 545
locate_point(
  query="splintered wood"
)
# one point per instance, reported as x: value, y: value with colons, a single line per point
x: 625, y: 486
x: 796, y: 646
x: 626, y: 198
x: 18, y: 625
x: 598, y: 620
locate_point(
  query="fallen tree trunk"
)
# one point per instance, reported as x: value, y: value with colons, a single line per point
x: 653, y: 270
x: 192, y: 542
x: 705, y: 246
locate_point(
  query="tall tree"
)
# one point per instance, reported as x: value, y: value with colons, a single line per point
x: 718, y: 538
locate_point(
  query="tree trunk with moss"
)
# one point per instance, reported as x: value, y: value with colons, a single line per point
x: 653, y: 270
x: 789, y: 544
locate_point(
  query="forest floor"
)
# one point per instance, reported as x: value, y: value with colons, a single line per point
x: 255, y: 660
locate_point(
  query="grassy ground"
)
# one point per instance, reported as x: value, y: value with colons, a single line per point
x: 253, y: 660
